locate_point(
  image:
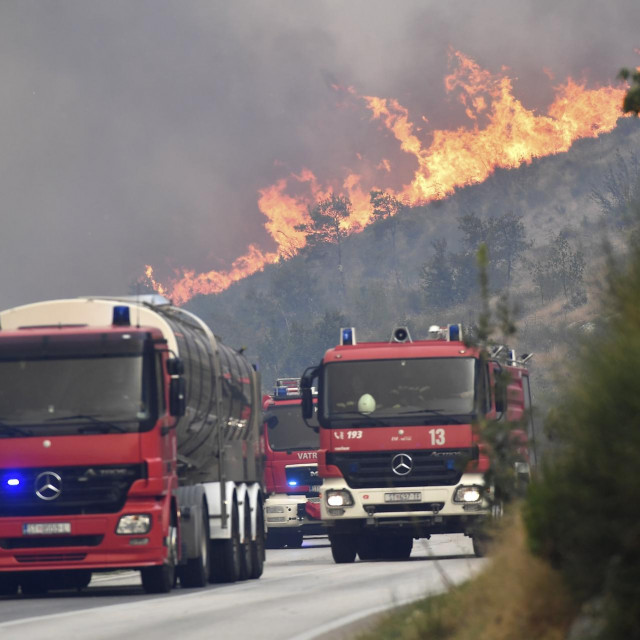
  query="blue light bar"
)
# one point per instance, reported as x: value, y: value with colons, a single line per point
x: 121, y: 316
x: 293, y: 483
x: 13, y: 482
x: 281, y: 391
x: 348, y: 336
x: 454, y: 332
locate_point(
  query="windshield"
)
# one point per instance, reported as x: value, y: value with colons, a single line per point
x: 287, y: 431
x: 429, y: 389
x: 64, y: 395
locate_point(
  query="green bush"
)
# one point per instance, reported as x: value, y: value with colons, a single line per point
x: 583, y: 513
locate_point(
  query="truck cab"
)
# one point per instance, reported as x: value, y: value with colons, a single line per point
x: 400, y: 457
x: 292, y: 508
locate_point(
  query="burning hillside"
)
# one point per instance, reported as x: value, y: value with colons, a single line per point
x: 500, y: 133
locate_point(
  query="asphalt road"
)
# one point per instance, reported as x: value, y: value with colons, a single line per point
x: 301, y: 595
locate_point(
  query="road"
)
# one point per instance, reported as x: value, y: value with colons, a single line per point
x: 301, y: 595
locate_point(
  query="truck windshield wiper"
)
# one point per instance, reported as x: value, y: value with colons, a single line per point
x: 10, y: 430
x: 97, y: 423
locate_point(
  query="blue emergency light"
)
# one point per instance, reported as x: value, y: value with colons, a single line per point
x: 281, y: 391
x: 293, y: 483
x: 454, y: 332
x: 348, y: 336
x: 13, y: 482
x: 121, y: 316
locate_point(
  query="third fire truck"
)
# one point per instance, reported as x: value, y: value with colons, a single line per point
x: 399, y: 456
x: 291, y: 470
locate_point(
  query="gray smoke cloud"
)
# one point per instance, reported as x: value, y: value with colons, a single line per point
x: 140, y: 132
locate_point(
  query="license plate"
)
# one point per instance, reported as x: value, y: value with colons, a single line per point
x: 45, y: 528
x: 403, y: 496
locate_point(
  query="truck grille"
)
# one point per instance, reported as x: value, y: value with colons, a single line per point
x: 84, y: 490
x: 373, y: 469
x: 46, y: 542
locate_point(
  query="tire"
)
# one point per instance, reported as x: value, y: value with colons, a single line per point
x: 368, y: 547
x: 162, y: 578
x: 8, y: 584
x: 481, y: 544
x: 275, y: 540
x: 225, y: 554
x: 35, y: 584
x: 294, y: 540
x: 343, y: 548
x: 195, y: 573
x: 397, y: 548
x: 245, y: 547
x: 258, y: 546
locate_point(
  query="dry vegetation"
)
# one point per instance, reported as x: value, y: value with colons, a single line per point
x: 518, y: 597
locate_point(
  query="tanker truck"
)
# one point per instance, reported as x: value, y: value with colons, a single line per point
x: 130, y: 440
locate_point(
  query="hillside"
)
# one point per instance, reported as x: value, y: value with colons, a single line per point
x: 287, y: 315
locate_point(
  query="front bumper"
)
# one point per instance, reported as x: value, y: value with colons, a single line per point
x: 92, y: 544
x: 288, y: 512
x: 434, y: 512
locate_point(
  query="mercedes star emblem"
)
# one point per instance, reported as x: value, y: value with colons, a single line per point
x: 402, y: 464
x: 48, y: 485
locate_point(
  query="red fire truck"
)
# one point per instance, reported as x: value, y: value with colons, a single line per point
x: 292, y: 508
x: 398, y: 455
x: 130, y: 439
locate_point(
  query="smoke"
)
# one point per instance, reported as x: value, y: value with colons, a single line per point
x: 141, y: 133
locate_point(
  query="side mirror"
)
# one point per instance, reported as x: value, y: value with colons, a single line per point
x: 175, y: 366
x: 177, y: 397
x: 307, y: 403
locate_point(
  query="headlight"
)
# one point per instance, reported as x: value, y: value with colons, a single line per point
x: 134, y: 524
x: 339, y: 498
x: 472, y: 493
x: 278, y: 509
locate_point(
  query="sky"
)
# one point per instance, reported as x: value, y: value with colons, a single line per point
x: 140, y: 132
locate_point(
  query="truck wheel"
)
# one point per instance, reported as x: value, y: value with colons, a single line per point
x: 34, y: 584
x: 195, y: 573
x: 480, y: 544
x: 275, y: 540
x: 396, y: 548
x: 294, y: 540
x: 257, y: 547
x: 343, y: 548
x: 8, y: 584
x: 225, y: 554
x: 161, y: 579
x: 245, y: 547
x: 368, y: 547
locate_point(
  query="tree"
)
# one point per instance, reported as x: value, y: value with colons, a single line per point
x: 437, y: 278
x: 386, y: 207
x: 326, y: 226
x: 631, y: 102
x: 562, y: 271
x: 504, y: 236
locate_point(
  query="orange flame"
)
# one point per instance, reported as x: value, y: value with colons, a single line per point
x: 503, y: 134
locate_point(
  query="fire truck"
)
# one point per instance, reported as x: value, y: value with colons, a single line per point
x: 399, y: 456
x: 130, y: 440
x: 292, y: 484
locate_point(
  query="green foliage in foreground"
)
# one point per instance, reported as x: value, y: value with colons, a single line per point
x: 583, y: 514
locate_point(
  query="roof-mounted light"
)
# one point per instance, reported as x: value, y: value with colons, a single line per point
x: 454, y: 332
x: 348, y: 336
x: 121, y: 317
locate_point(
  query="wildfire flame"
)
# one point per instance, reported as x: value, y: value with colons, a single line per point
x: 503, y: 134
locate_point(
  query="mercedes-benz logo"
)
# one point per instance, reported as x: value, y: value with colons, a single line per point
x: 48, y: 485
x: 402, y: 464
